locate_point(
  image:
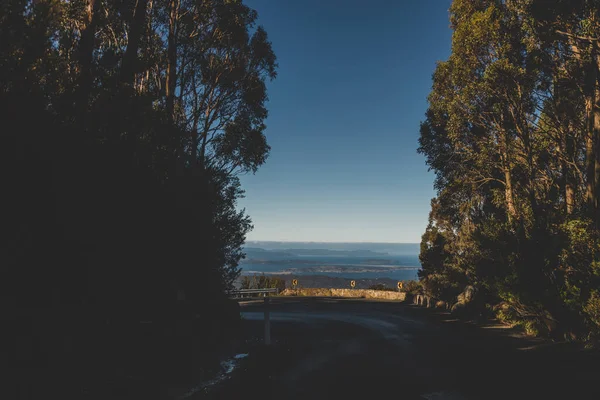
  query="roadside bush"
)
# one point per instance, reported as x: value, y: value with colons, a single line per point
x: 381, y: 286
x: 262, y: 282
x: 592, y: 310
x: 412, y: 287
x: 535, y: 321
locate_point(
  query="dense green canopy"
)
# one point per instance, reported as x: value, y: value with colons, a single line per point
x: 513, y: 135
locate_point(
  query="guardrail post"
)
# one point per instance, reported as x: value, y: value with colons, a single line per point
x: 267, y: 322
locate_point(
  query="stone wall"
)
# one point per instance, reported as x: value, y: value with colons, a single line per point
x: 350, y: 293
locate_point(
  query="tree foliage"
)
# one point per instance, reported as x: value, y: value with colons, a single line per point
x: 125, y: 127
x: 513, y: 135
x: 126, y: 124
x: 262, y: 282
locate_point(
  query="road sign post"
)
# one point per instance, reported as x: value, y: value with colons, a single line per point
x: 352, y: 284
x: 400, y: 285
x: 294, y: 283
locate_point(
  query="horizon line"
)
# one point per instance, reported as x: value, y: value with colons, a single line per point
x: 313, y: 241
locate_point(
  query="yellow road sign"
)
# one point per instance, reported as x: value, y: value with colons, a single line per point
x: 399, y: 285
x: 352, y: 283
x: 294, y: 282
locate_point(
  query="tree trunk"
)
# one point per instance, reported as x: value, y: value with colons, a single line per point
x: 530, y: 170
x: 590, y: 157
x: 86, y: 55
x: 589, y: 154
x: 145, y: 74
x: 566, y: 143
x: 568, y: 175
x: 595, y: 126
x: 171, y: 72
x: 510, y: 204
x: 508, y: 188
x: 136, y: 26
x: 569, y: 196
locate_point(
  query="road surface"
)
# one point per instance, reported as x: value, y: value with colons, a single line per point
x: 327, y: 348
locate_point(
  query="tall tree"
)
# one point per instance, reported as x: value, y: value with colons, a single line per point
x: 511, y: 134
x: 114, y: 212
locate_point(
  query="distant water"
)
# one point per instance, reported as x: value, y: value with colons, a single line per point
x: 410, y: 249
x: 399, y: 267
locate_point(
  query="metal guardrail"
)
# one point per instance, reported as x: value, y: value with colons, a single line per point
x: 253, y: 292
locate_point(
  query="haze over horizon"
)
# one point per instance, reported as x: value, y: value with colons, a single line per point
x: 387, y: 248
x: 324, y: 242
x: 343, y: 124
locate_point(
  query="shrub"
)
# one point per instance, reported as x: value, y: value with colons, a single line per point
x: 592, y: 311
x: 381, y: 286
x: 262, y: 282
x: 413, y: 287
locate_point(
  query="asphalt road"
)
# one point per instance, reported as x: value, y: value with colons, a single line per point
x: 327, y: 348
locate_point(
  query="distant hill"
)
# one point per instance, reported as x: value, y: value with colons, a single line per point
x: 390, y: 248
x: 258, y: 253
x: 328, y: 252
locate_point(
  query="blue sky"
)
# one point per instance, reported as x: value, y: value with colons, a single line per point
x: 344, y: 118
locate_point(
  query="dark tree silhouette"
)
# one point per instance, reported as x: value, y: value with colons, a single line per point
x: 125, y: 126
